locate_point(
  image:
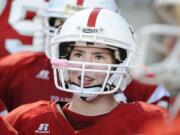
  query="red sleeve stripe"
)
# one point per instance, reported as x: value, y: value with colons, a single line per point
x: 93, y: 17
x: 79, y: 2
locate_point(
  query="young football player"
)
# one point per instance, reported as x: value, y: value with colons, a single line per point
x: 92, y: 57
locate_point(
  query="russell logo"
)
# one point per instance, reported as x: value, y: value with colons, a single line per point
x: 90, y: 30
x: 43, y: 129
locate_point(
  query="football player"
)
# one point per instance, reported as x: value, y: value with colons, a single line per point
x: 19, y: 71
x: 92, y: 60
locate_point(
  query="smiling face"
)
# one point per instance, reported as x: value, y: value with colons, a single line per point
x: 92, y: 55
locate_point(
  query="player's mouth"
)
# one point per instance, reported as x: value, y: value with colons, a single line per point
x: 87, y: 80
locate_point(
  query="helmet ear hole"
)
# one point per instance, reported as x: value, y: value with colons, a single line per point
x: 65, y: 50
x: 56, y: 22
x: 51, y: 21
x: 122, y: 53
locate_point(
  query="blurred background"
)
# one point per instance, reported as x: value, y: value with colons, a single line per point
x: 157, y: 25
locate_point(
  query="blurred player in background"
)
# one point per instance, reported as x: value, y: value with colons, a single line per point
x: 161, y: 48
x: 165, y: 65
x: 20, y: 26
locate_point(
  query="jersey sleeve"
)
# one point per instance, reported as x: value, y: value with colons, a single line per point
x: 154, y: 94
x: 10, y: 68
x: 153, y: 112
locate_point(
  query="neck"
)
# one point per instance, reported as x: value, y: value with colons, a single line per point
x: 101, y: 105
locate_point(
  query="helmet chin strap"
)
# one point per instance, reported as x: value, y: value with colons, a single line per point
x: 85, y: 96
x: 119, y: 96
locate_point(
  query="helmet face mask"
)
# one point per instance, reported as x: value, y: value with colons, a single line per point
x: 93, y: 77
x: 84, y: 74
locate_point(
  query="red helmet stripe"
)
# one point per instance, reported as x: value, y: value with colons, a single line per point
x: 93, y: 17
x: 79, y: 2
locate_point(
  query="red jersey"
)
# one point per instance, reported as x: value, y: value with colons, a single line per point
x: 43, y: 117
x: 138, y: 91
x: 6, y: 129
x: 27, y: 77
x: 16, y: 21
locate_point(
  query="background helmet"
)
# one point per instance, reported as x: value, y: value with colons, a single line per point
x: 168, y: 10
x: 97, y: 28
x: 160, y: 54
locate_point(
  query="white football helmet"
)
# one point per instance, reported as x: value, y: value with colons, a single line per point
x: 58, y: 11
x: 160, y: 55
x: 100, y: 28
